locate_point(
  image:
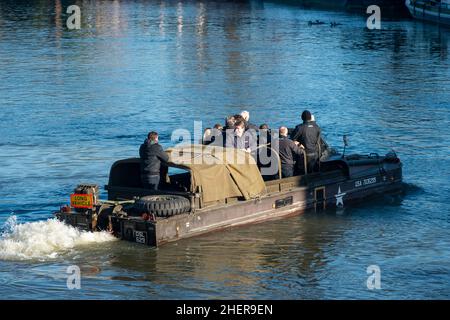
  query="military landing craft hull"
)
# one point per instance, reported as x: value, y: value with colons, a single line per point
x: 340, y: 182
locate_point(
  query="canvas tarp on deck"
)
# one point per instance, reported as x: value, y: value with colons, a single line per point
x: 219, y: 172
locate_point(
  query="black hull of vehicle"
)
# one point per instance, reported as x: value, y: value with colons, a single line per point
x: 335, y: 188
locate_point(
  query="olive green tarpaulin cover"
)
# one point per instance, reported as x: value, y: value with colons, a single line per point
x: 218, y: 172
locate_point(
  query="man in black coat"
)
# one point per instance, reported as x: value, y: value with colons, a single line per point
x: 236, y: 138
x: 151, y: 154
x: 307, y: 135
x: 289, y: 152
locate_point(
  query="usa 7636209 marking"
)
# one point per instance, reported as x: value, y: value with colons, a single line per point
x: 365, y: 182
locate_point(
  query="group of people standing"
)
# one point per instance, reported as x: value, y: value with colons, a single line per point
x: 240, y: 133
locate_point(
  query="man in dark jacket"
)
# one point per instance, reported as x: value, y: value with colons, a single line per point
x: 289, y: 153
x: 240, y: 139
x: 307, y: 135
x: 237, y: 139
x: 151, y: 154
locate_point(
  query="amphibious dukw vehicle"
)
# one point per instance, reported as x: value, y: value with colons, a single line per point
x: 217, y: 188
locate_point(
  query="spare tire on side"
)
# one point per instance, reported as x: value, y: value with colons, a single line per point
x: 163, y: 205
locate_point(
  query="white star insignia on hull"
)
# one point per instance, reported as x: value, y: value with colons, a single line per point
x: 340, y: 198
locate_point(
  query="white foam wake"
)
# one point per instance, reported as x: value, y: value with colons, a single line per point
x: 43, y: 239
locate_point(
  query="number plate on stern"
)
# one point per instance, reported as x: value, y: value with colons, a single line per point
x: 140, y: 237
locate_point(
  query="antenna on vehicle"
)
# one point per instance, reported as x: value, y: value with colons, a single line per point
x: 344, y: 138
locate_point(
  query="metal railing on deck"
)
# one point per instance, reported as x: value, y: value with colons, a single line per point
x: 305, y: 160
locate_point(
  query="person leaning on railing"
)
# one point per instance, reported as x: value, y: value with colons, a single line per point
x: 307, y: 135
x: 290, y: 153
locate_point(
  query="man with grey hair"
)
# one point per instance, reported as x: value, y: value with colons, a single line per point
x: 289, y: 153
x: 246, y: 115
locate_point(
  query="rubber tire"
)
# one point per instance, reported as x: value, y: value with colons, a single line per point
x: 163, y: 205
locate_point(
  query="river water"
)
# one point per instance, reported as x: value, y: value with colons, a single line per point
x: 74, y: 101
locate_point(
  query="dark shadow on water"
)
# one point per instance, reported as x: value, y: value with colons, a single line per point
x: 412, y: 189
x: 249, y: 261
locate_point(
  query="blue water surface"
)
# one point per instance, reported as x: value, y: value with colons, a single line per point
x: 74, y: 101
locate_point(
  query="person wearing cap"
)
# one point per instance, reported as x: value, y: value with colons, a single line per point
x: 325, y: 150
x: 307, y: 135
